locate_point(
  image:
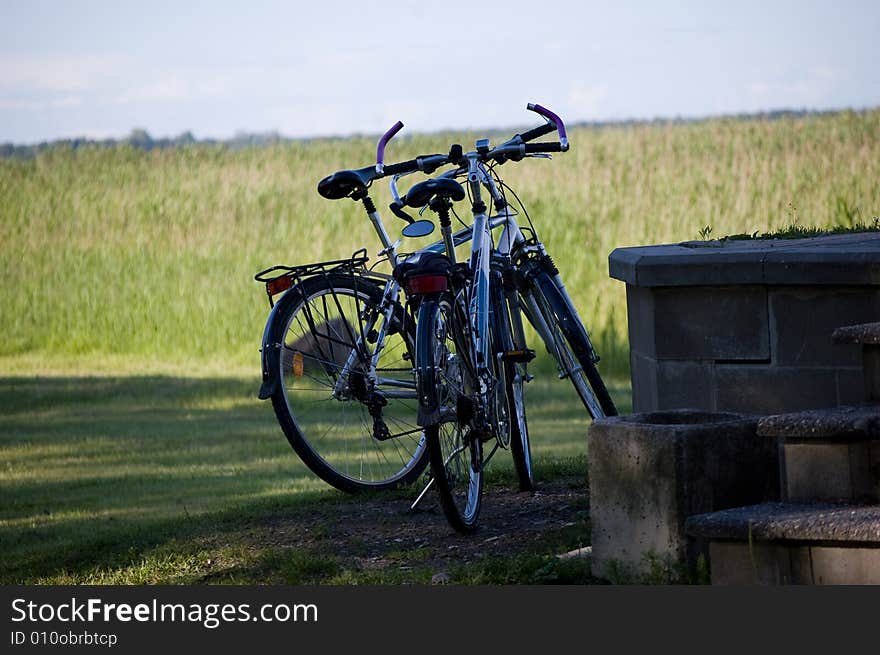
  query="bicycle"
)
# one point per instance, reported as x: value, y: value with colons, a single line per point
x: 467, y: 350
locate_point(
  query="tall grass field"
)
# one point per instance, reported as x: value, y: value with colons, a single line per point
x: 131, y: 323
x: 123, y: 255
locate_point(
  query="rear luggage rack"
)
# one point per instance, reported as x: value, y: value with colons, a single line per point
x: 279, y: 279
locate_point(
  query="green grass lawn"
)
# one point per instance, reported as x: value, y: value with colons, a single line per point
x: 118, y: 478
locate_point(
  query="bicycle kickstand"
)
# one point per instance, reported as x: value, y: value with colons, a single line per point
x: 421, y: 495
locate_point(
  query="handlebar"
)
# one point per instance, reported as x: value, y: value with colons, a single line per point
x: 549, y: 115
x: 380, y: 149
x: 534, y: 133
x: 425, y: 163
x: 513, y: 149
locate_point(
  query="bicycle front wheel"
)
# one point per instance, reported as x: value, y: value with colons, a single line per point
x: 520, y: 447
x: 567, y: 343
x: 455, y: 450
x: 353, y: 425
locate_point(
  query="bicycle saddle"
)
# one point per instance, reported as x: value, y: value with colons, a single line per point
x: 443, y: 187
x: 342, y: 184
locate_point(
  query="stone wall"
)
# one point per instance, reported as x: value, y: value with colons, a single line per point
x: 746, y: 326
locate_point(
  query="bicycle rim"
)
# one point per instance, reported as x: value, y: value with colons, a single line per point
x: 324, y: 404
x: 580, y: 371
x: 520, y: 447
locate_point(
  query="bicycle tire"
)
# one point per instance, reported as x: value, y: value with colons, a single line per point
x: 455, y: 452
x: 335, y: 436
x: 514, y: 382
x: 572, y: 351
x: 520, y: 447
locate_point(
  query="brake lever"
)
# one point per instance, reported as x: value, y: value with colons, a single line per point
x: 396, y: 208
x: 540, y: 155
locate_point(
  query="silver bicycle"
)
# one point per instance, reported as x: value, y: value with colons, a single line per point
x: 429, y: 363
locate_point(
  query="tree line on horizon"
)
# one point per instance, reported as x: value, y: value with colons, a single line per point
x: 141, y: 139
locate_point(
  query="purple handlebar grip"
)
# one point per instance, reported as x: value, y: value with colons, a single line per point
x: 549, y: 115
x: 380, y: 151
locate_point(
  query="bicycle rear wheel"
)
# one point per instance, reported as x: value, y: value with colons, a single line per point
x: 455, y: 450
x: 355, y: 430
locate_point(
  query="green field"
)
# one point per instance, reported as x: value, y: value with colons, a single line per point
x: 129, y: 364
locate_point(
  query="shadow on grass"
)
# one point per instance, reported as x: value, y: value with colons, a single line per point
x: 95, y: 466
x: 98, y: 471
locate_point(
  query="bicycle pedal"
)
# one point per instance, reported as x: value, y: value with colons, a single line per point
x: 523, y: 356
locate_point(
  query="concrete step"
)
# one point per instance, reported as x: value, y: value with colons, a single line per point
x: 863, y: 333
x: 791, y: 543
x: 828, y: 454
x: 868, y: 335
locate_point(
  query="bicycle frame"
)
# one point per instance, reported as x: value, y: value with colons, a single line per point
x: 483, y: 253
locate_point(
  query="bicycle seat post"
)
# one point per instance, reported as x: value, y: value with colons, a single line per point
x: 441, y: 205
x: 388, y: 246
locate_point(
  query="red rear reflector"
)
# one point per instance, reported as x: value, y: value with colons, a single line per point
x: 426, y: 284
x: 278, y: 285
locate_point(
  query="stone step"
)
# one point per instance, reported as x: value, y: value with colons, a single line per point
x: 791, y: 543
x: 845, y: 423
x: 828, y: 454
x: 863, y: 333
x: 649, y: 471
x: 868, y: 335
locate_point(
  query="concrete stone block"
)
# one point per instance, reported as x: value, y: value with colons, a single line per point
x: 874, y: 465
x: 643, y: 374
x: 802, y: 320
x: 849, y: 259
x: 649, y: 472
x: 851, y: 386
x: 855, y: 262
x: 845, y: 566
x: 738, y: 563
x: 871, y: 371
x: 864, y: 484
x: 817, y: 471
x: 763, y: 563
x: 685, y: 384
x: 831, y: 472
x: 640, y: 320
x: 711, y: 323
x: 757, y: 389
x: 800, y: 564
x: 820, y: 522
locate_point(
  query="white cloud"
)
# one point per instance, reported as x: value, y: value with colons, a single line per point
x: 75, y: 73
x: 168, y: 87
x: 67, y: 101
x: 586, y: 101
x: 18, y: 104
x: 812, y: 87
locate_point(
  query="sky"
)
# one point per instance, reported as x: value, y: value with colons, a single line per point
x: 331, y: 67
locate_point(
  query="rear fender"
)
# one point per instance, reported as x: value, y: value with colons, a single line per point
x: 270, y: 353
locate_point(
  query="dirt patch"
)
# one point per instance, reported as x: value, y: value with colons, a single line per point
x: 382, y: 533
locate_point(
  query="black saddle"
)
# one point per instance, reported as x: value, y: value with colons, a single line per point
x: 342, y: 184
x: 442, y: 187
